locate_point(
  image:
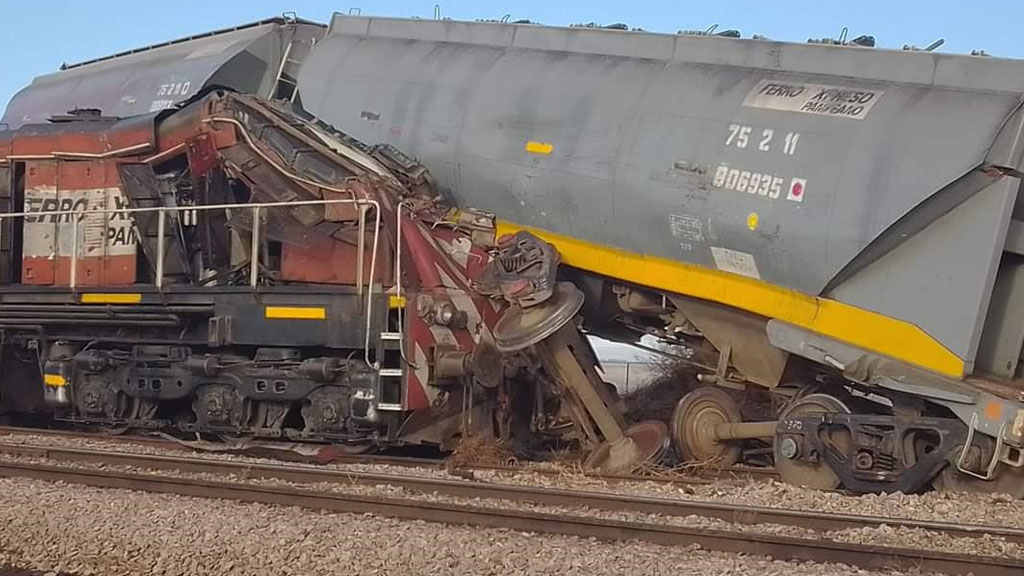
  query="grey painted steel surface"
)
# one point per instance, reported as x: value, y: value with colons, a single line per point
x: 245, y: 58
x: 654, y: 141
x: 942, y: 277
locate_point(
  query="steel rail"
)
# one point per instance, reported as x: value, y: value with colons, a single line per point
x: 98, y: 437
x: 780, y: 547
x: 734, y: 513
x: 700, y: 476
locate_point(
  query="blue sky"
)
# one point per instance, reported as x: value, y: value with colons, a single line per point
x: 40, y: 34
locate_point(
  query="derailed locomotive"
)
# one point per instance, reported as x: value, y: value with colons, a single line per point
x: 228, y: 267
x: 833, y: 225
x: 194, y: 262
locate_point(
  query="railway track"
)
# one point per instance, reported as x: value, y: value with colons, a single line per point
x: 60, y: 464
x: 689, y: 476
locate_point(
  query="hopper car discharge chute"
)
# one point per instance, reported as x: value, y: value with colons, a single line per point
x: 830, y: 233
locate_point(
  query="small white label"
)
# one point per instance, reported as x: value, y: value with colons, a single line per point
x: 736, y: 262
x: 797, y: 188
x: 158, y: 105
x: 685, y: 227
x: 819, y: 99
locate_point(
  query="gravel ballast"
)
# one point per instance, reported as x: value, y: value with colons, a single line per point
x: 88, y: 531
x: 883, y: 535
x: 982, y: 509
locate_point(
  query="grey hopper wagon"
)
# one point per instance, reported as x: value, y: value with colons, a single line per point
x: 257, y: 58
x: 847, y: 206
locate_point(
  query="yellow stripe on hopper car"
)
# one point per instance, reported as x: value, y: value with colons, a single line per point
x: 54, y: 380
x: 296, y: 312
x: 543, y: 148
x: 120, y: 298
x: 865, y: 329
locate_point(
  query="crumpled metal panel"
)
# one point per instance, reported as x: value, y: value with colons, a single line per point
x: 245, y: 59
x: 135, y: 135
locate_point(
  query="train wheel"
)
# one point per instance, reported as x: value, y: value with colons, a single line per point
x: 649, y: 441
x: 127, y: 412
x: 693, y: 427
x: 796, y: 468
x: 100, y: 399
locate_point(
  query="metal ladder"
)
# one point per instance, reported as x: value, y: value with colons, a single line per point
x: 391, y: 372
x: 286, y: 85
x: 391, y: 358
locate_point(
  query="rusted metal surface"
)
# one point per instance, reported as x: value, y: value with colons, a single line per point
x: 603, y: 529
x: 328, y: 261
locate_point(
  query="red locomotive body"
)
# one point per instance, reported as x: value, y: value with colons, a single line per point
x: 230, y: 267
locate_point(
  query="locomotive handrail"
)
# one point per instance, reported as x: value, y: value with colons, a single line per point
x: 363, y: 205
x: 398, y: 275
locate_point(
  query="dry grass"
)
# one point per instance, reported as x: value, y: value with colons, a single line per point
x: 682, y: 470
x: 567, y: 454
x: 674, y: 379
x: 575, y: 471
x: 657, y: 400
x: 480, y: 450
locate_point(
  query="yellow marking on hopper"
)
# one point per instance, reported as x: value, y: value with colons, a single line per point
x: 117, y: 298
x: 54, y: 380
x: 868, y: 330
x: 544, y: 148
x: 296, y: 312
x: 396, y: 301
